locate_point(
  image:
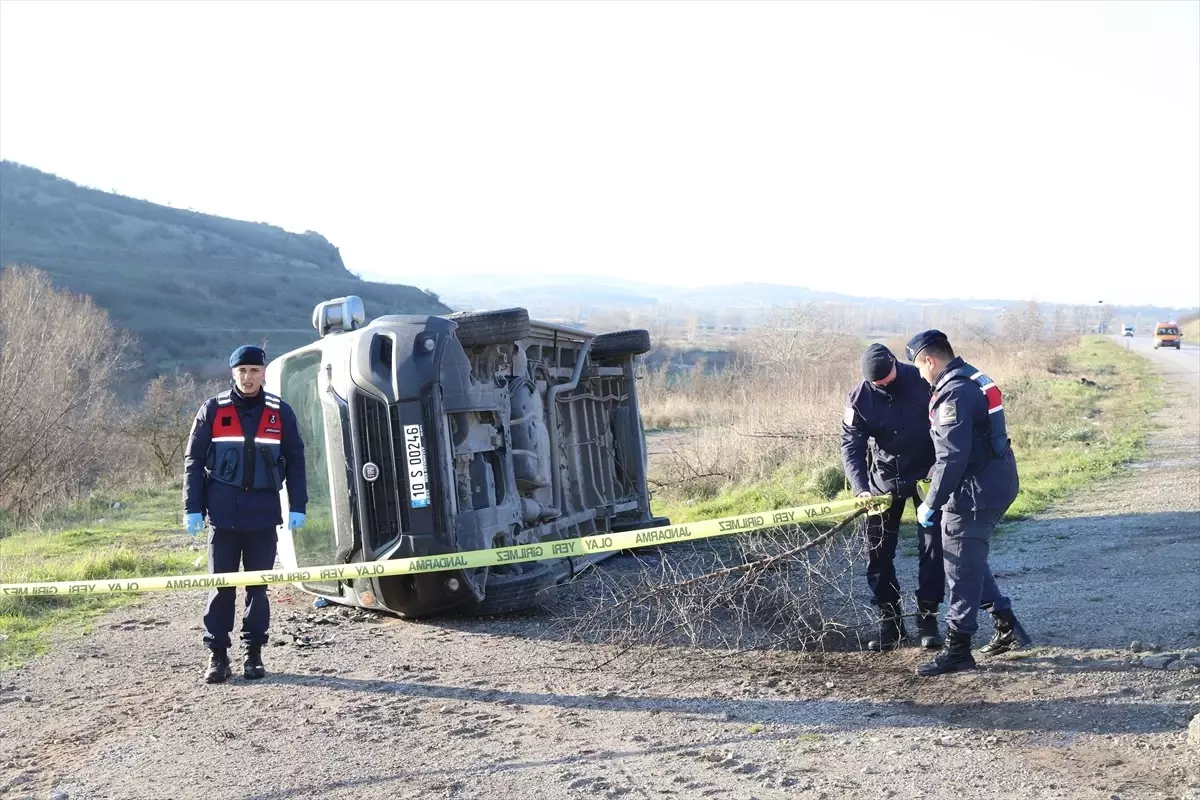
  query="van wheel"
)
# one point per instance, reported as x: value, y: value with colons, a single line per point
x: 621, y: 343
x: 476, y: 328
x: 518, y: 593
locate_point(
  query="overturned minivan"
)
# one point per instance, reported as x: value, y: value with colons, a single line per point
x: 429, y: 435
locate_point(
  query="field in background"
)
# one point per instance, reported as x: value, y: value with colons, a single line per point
x: 767, y: 435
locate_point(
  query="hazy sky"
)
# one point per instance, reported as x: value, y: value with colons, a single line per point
x: 985, y: 149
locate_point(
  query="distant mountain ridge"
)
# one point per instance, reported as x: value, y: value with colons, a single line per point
x: 191, y: 286
x: 572, y: 297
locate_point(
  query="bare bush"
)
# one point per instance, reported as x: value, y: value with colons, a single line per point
x: 60, y: 358
x: 158, y: 428
x: 780, y: 589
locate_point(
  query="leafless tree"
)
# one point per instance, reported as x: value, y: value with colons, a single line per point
x: 158, y: 428
x: 59, y: 359
x: 801, y: 338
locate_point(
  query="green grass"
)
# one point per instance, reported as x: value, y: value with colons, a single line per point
x: 788, y: 487
x: 1065, y: 435
x: 89, y: 540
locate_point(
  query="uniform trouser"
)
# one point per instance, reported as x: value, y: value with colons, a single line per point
x: 882, y: 531
x: 254, y: 550
x: 965, y: 542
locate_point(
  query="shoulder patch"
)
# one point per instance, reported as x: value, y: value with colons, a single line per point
x: 848, y: 417
x: 947, y: 413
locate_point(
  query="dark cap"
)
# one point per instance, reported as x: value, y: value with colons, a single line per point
x: 922, y: 340
x: 248, y: 356
x: 877, y: 362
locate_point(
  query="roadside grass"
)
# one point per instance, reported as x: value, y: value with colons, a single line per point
x: 1066, y: 434
x: 1191, y: 329
x: 88, y: 540
x: 1069, y: 434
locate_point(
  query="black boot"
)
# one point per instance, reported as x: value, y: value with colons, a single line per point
x: 954, y: 656
x: 1009, y: 634
x: 253, y: 667
x: 891, y: 629
x: 218, y: 666
x: 927, y: 624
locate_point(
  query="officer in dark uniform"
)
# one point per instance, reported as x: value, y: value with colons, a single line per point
x: 886, y: 449
x: 973, y: 483
x: 244, y: 446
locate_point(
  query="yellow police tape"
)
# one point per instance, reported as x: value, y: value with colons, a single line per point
x: 599, y: 543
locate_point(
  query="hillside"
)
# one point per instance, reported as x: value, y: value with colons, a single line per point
x: 191, y: 286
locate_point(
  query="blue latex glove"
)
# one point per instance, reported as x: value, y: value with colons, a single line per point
x: 194, y: 522
x: 925, y: 515
x: 296, y: 520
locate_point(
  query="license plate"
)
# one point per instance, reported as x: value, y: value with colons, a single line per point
x: 414, y: 458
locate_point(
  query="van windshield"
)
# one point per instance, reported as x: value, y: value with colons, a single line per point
x: 1167, y: 332
x: 316, y: 542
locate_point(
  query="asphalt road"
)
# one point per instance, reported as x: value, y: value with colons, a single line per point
x: 1179, y: 365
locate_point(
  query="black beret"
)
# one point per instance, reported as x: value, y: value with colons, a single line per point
x: 922, y: 340
x: 248, y: 356
x: 877, y: 362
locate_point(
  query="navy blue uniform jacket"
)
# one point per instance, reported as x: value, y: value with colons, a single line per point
x: 232, y: 506
x: 968, y: 475
x: 892, y: 424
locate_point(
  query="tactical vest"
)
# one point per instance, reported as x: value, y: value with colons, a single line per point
x: 226, y: 453
x: 996, y: 431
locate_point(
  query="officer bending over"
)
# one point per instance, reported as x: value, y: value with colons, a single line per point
x: 886, y: 449
x: 973, y: 483
x: 243, y: 447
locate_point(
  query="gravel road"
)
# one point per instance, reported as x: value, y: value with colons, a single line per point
x: 371, y: 707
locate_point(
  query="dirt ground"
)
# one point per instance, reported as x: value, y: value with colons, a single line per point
x: 360, y: 706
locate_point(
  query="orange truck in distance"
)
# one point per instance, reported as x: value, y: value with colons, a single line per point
x: 1166, y: 334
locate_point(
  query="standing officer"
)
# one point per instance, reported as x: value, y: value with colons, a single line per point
x: 973, y: 483
x: 886, y: 449
x: 244, y: 445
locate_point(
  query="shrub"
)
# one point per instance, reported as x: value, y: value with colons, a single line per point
x: 827, y: 481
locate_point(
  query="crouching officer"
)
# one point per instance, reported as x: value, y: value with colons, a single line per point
x: 886, y: 449
x: 974, y: 480
x: 243, y: 447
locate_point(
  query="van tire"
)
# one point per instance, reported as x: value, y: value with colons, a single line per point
x: 507, y: 597
x: 621, y: 343
x: 478, y: 328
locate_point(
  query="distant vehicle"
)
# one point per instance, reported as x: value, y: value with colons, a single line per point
x: 430, y: 436
x: 1128, y: 330
x: 1166, y: 334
